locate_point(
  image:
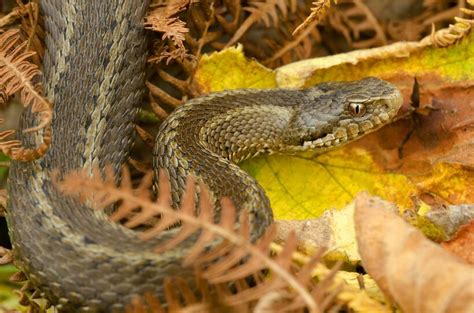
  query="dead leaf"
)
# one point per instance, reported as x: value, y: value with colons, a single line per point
x: 450, y: 218
x: 408, y: 267
x: 424, y: 155
x: 333, y: 231
x: 462, y: 244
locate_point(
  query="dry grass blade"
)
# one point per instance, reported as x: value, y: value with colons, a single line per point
x: 16, y: 75
x: 318, y: 10
x: 222, y: 253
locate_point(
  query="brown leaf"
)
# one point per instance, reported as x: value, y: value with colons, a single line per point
x: 408, y: 267
x: 462, y: 244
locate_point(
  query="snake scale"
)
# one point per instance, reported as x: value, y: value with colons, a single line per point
x: 94, y: 75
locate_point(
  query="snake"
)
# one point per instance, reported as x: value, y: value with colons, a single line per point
x: 94, y: 73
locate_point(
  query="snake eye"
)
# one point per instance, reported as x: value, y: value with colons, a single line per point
x: 357, y: 109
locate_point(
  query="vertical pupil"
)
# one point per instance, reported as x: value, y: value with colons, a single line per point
x: 357, y: 110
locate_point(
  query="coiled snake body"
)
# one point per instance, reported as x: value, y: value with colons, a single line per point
x: 94, y: 73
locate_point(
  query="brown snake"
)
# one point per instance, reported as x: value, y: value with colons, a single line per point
x: 94, y: 74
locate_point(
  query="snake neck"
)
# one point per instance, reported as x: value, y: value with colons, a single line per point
x: 207, y: 137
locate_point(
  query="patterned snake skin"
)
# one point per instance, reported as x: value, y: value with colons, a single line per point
x: 94, y: 74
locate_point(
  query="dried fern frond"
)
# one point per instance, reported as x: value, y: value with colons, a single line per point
x: 3, y: 205
x: 17, y: 75
x: 179, y: 297
x: 162, y: 19
x: 3, y: 96
x: 448, y: 36
x: 267, y: 12
x: 284, y: 48
x: 347, y: 21
x: 319, y: 9
x: 15, y: 14
x: 232, y: 257
x: 30, y: 24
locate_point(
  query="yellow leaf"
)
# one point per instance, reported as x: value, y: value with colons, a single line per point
x: 302, y: 187
x: 453, y: 63
x: 405, y: 160
x: 229, y: 69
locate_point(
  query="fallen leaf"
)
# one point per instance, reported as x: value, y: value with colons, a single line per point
x: 408, y: 267
x: 333, y: 231
x: 304, y: 186
x: 462, y: 244
x: 229, y: 69
x: 426, y: 154
x: 451, y: 218
x: 454, y: 63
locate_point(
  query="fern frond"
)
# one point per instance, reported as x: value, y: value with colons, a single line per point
x: 163, y: 95
x: 16, y: 13
x: 455, y: 32
x: 147, y: 138
x: 267, y: 12
x: 163, y: 20
x: 355, y: 20
x: 291, y: 48
x: 3, y: 96
x: 319, y: 9
x: 231, y: 257
x: 180, y: 297
x: 17, y: 75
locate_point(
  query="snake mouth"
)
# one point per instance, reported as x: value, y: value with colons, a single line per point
x: 313, y: 139
x: 324, y: 140
x: 341, y: 134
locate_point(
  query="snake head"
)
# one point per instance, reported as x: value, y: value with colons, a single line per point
x: 335, y: 113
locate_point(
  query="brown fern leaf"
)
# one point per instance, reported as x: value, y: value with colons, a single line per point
x: 180, y: 297
x: 32, y: 30
x: 349, y: 23
x: 3, y: 96
x: 17, y: 75
x: 15, y: 14
x: 162, y: 19
x: 319, y: 9
x: 267, y: 12
x: 147, y: 138
x: 448, y: 36
x: 157, y: 109
x: 224, y: 255
x: 6, y: 256
x: 3, y: 206
x: 283, y: 47
x: 162, y: 95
